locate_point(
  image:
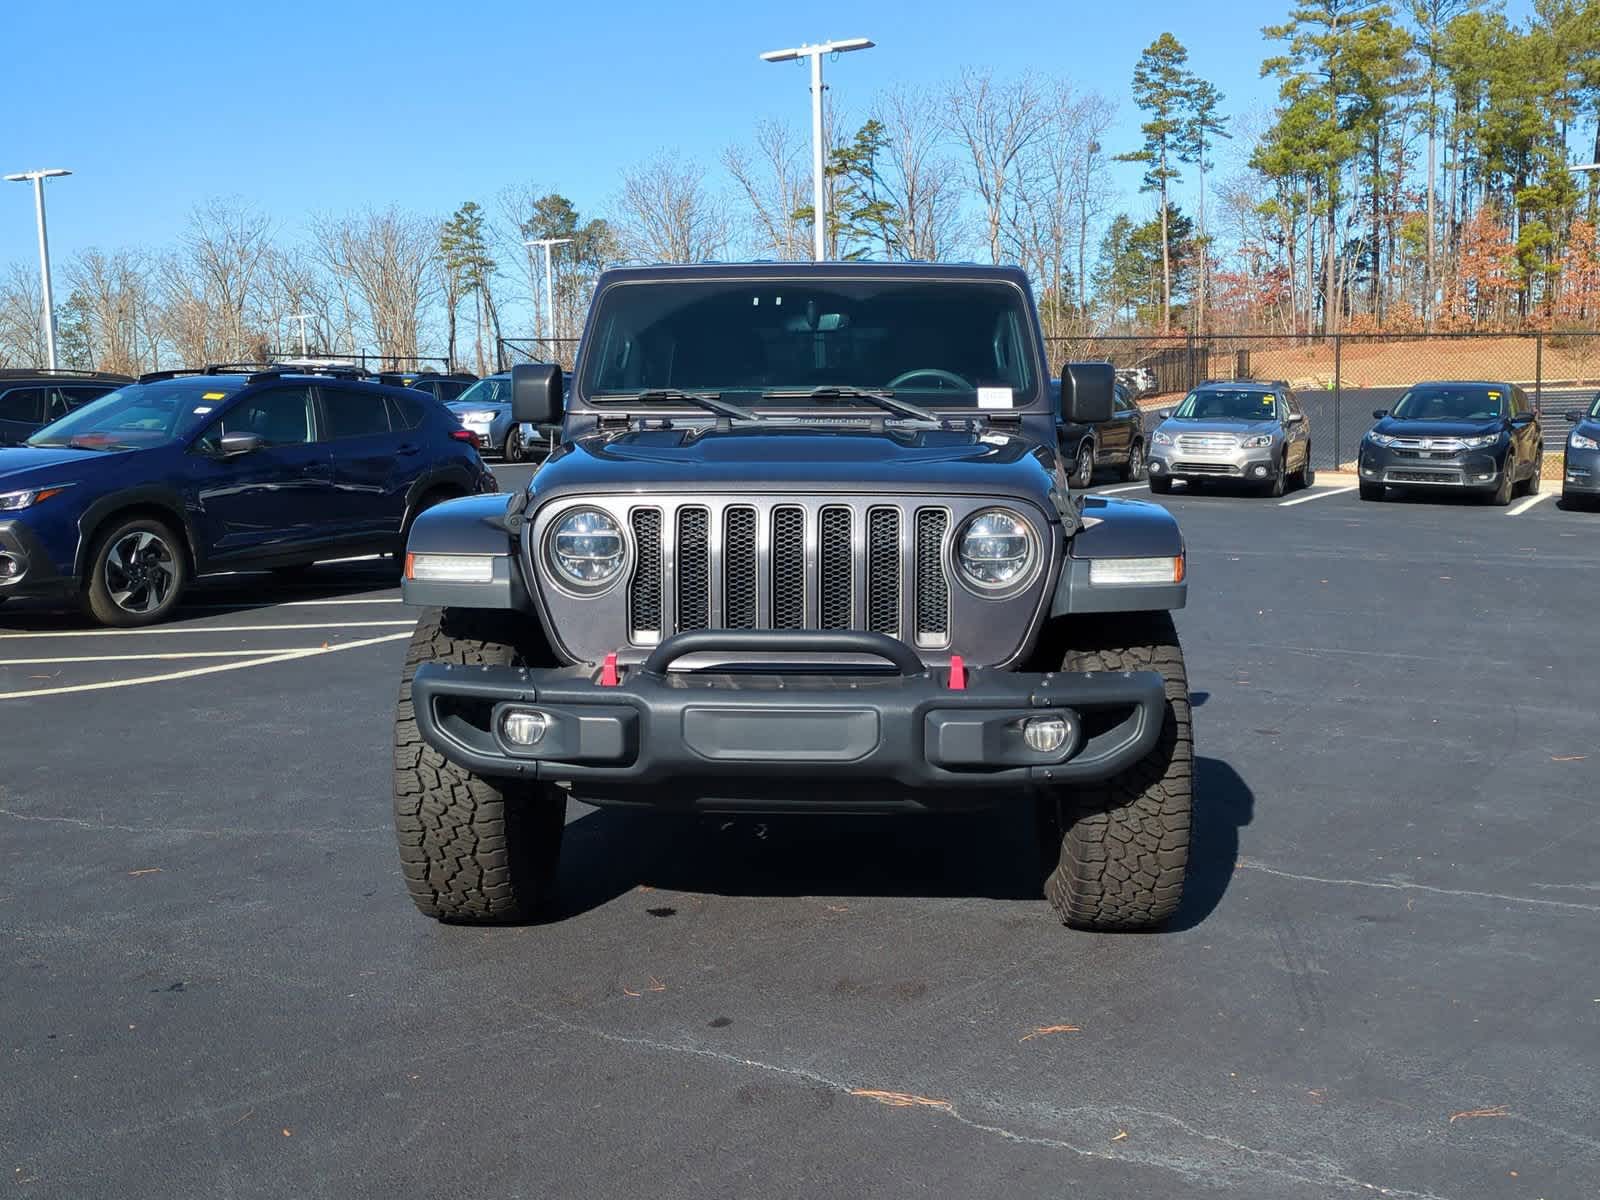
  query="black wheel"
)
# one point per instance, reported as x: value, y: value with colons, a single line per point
x: 472, y: 850
x: 1082, y: 473
x: 137, y: 568
x: 1501, y: 496
x: 1371, y: 491
x: 1535, y: 481
x: 512, y: 451
x: 1124, y: 843
x: 1279, y: 483
x: 1307, y: 474
x: 1133, y: 470
x: 1160, y: 484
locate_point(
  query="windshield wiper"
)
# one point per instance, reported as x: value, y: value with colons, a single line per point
x: 709, y: 401
x: 883, y: 399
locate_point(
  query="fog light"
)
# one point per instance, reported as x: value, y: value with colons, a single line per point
x: 10, y: 568
x: 1260, y: 470
x: 1045, y: 734
x: 1155, y: 466
x: 524, y: 726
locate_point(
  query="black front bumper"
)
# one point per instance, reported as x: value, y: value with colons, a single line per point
x: 1465, y: 470
x: 27, y: 567
x: 659, y: 735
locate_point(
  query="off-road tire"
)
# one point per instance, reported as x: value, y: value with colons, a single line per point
x: 472, y: 850
x: 1161, y: 485
x: 1371, y: 491
x: 1124, y: 843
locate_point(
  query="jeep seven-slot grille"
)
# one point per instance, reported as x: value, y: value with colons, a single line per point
x: 801, y: 571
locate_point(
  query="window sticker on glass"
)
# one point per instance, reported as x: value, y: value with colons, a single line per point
x: 995, y: 397
x: 214, y: 396
x: 1494, y: 395
x: 202, y: 409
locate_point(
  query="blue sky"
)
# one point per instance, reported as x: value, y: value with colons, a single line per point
x: 302, y: 107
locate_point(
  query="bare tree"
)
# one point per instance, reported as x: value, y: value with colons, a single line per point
x: 668, y: 215
x: 114, y: 292
x: 21, y: 318
x: 920, y: 173
x: 995, y: 123
x: 298, y: 284
x: 213, y: 283
x: 774, y: 179
x: 385, y: 257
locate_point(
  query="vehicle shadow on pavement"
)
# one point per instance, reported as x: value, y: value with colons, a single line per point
x: 993, y: 854
x: 220, y: 595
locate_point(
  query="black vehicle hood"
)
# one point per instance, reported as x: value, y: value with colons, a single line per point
x: 1395, y: 427
x: 796, y: 459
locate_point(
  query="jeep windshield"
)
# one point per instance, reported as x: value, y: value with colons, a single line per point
x: 140, y: 415
x: 787, y: 343
x: 1229, y: 404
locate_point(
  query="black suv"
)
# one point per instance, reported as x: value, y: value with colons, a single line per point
x: 443, y: 387
x: 1117, y: 442
x: 31, y: 398
x: 807, y: 544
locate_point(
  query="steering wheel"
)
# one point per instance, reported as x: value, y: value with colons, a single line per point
x: 949, y: 377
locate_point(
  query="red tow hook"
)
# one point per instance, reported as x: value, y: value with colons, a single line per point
x: 958, y: 674
x: 608, y: 671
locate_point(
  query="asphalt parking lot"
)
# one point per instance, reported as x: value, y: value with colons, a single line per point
x: 1383, y: 981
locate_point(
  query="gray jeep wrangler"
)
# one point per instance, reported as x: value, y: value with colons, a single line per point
x: 806, y: 545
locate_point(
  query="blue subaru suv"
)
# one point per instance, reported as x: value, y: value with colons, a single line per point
x: 119, y: 504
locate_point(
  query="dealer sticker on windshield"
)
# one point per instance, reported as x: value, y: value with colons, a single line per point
x: 993, y: 397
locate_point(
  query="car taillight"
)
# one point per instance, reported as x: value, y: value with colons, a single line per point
x: 464, y: 435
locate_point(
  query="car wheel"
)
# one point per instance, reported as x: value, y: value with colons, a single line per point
x: 472, y: 849
x: 1308, y: 473
x: 1083, y: 465
x: 1124, y: 842
x: 513, y: 447
x: 1371, y: 491
x: 1501, y: 496
x: 1535, y: 480
x: 1134, y: 470
x: 1279, y: 482
x: 1160, y: 484
x: 137, y: 569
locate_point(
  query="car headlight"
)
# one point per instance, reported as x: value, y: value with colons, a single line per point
x: 1380, y: 439
x: 587, y: 549
x: 1256, y: 440
x: 1478, y: 443
x: 478, y: 418
x: 997, y: 549
x: 16, y: 501
x: 1577, y: 441
x: 1160, y: 439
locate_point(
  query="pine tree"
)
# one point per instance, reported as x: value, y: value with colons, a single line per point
x: 1203, y: 124
x: 1161, y: 86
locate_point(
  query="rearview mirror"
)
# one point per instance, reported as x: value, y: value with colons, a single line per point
x: 1086, y: 391
x: 1379, y: 414
x: 536, y: 393
x: 234, y: 444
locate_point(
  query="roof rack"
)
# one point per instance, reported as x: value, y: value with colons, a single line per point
x: 158, y: 376
x: 68, y: 372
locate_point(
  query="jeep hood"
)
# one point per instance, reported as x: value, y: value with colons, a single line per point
x: 800, y: 459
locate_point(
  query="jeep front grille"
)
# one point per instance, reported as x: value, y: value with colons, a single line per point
x: 790, y: 566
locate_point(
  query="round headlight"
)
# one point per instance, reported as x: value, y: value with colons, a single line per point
x: 586, y: 549
x: 995, y: 550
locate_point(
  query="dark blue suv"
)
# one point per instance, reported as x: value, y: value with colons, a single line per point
x: 122, y: 502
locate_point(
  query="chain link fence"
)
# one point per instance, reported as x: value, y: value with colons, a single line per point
x: 1341, y: 379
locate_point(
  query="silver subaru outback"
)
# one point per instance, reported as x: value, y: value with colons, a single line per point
x: 1236, y: 430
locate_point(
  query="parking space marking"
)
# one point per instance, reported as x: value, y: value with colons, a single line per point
x: 164, y: 629
x: 1319, y: 495
x: 1127, y: 487
x: 276, y: 656
x: 1523, y: 505
x: 293, y: 604
x: 181, y: 654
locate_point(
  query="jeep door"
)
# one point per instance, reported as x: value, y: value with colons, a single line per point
x: 273, y: 501
x: 373, y: 462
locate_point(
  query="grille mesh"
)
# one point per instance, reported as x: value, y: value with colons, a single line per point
x: 739, y: 568
x: 694, y: 569
x: 933, y: 592
x: 788, y: 568
x: 835, y: 561
x: 883, y: 571
x: 644, y: 593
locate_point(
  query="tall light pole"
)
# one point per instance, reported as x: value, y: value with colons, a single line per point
x: 549, y: 285
x: 819, y: 199
x: 302, y: 318
x: 38, y: 178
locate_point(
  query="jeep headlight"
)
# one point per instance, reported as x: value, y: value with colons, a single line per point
x: 586, y: 549
x: 996, y: 550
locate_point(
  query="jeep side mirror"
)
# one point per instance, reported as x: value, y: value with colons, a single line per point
x: 234, y: 444
x: 536, y: 393
x: 1379, y: 414
x: 1086, y: 391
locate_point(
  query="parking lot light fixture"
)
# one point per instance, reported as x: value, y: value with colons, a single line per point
x: 819, y: 204
x: 38, y: 178
x: 549, y: 285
